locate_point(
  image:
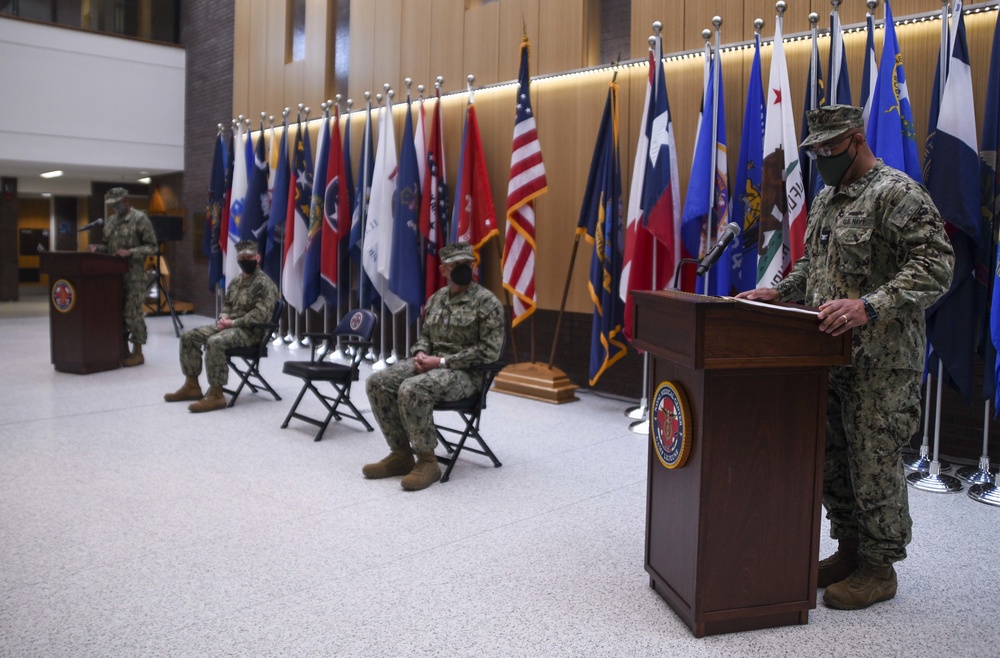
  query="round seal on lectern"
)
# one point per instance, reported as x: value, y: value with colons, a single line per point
x: 63, y: 295
x: 671, y: 424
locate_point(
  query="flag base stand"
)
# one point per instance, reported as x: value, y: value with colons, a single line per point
x: 536, y: 381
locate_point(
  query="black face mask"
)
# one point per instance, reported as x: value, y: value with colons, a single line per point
x: 461, y: 275
x: 248, y: 266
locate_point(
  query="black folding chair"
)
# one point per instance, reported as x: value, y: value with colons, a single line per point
x: 469, y: 409
x: 251, y: 356
x: 355, y: 332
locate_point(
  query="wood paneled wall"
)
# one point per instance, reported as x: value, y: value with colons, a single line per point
x: 387, y: 44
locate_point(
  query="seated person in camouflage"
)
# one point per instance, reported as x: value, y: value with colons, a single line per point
x: 129, y: 234
x: 464, y: 324
x: 250, y: 301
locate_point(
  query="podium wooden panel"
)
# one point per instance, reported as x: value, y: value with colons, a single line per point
x: 89, y: 336
x: 732, y: 537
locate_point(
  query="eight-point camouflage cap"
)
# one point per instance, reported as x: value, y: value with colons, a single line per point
x: 246, y: 248
x: 115, y: 194
x: 825, y: 123
x: 457, y: 252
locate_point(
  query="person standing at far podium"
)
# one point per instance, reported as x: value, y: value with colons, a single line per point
x: 876, y: 257
x: 128, y: 233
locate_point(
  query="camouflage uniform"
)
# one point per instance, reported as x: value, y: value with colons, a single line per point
x: 132, y: 231
x: 467, y: 328
x: 249, y: 300
x: 880, y: 238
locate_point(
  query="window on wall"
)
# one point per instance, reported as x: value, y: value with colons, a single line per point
x: 151, y: 20
x: 295, y: 37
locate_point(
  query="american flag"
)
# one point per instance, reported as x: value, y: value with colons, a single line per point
x: 527, y: 181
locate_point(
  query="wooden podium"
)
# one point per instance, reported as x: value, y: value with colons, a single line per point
x: 732, y: 536
x: 86, y: 301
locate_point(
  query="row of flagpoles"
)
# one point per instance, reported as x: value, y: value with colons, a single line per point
x: 314, y: 218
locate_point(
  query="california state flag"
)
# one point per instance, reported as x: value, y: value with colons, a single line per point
x: 783, y: 208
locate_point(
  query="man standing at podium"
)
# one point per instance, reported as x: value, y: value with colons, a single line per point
x: 128, y: 233
x: 876, y: 257
x: 250, y: 301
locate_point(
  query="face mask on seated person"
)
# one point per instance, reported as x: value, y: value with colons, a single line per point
x: 461, y: 275
x: 248, y: 266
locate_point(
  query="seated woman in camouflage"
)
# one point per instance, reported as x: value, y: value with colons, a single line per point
x: 464, y: 324
x: 250, y: 301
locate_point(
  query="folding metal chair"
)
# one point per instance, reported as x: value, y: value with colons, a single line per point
x: 251, y: 356
x: 470, y: 410
x: 355, y: 332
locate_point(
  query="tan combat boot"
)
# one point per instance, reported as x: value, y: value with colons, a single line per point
x: 399, y: 462
x: 135, y: 358
x: 866, y: 586
x: 424, y: 474
x: 190, y: 391
x: 214, y: 399
x: 840, y: 565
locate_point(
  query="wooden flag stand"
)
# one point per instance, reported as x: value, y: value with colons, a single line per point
x: 535, y: 380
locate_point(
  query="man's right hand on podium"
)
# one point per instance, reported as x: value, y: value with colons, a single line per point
x: 760, y: 295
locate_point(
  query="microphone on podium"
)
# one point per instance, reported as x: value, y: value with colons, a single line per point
x: 94, y: 224
x: 728, y: 234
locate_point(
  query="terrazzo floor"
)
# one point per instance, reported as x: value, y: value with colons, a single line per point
x: 130, y: 527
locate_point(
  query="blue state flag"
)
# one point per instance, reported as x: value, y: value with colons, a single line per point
x: 952, y: 178
x: 311, y: 281
x: 749, y: 178
x: 274, y: 246
x: 367, y: 295
x: 600, y: 220
x: 213, y: 213
x: 405, y: 279
x: 707, y: 201
x: 815, y: 97
x: 891, y: 132
x: 991, y: 214
x: 456, y: 209
x: 257, y: 203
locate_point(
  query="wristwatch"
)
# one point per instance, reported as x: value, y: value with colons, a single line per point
x: 869, y: 310
x: 443, y: 363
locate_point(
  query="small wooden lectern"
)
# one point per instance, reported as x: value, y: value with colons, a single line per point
x: 86, y: 323
x: 732, y: 536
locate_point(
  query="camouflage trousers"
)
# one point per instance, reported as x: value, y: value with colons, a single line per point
x: 871, y: 415
x: 403, y: 401
x: 216, y: 343
x: 135, y: 292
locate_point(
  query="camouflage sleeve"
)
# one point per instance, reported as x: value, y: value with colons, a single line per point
x: 101, y: 248
x: 793, y: 287
x: 927, y: 256
x: 265, y: 296
x: 491, y: 335
x: 147, y: 239
x: 424, y: 343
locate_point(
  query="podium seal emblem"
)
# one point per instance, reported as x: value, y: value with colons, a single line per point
x: 670, y: 420
x: 63, y: 296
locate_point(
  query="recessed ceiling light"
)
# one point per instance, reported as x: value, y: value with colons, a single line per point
x: 145, y: 181
x: 46, y: 194
x: 52, y: 174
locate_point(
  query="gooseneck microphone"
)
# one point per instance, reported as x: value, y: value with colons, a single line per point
x: 728, y: 234
x: 94, y: 224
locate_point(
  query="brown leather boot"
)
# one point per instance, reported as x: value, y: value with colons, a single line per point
x: 424, y: 474
x: 135, y: 358
x: 840, y: 565
x: 214, y: 399
x: 190, y: 391
x: 399, y: 462
x: 866, y: 586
